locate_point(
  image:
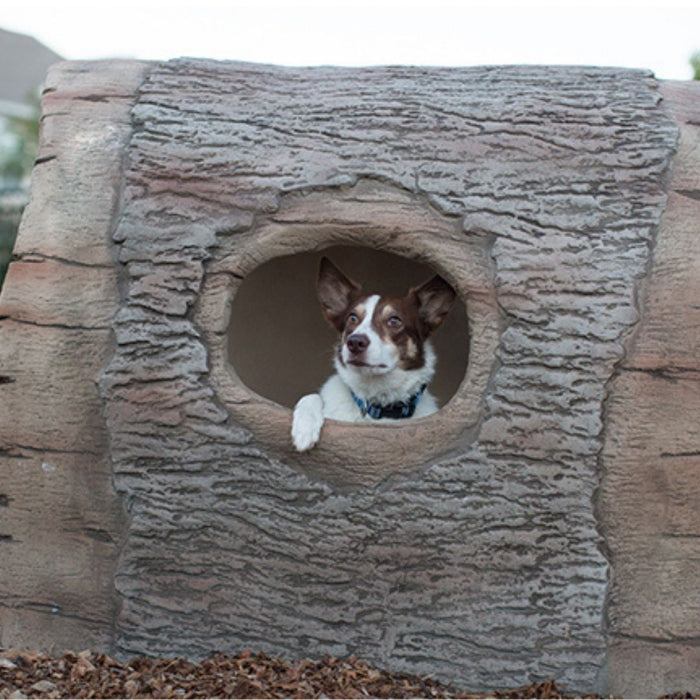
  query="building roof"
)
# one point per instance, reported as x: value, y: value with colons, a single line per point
x: 23, y: 65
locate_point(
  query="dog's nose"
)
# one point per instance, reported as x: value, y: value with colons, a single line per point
x: 357, y: 343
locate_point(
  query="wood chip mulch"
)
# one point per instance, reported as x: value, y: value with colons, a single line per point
x: 90, y: 675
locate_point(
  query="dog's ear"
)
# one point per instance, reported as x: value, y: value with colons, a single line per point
x: 434, y: 299
x: 336, y: 292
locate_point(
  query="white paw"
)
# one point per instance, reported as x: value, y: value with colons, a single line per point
x: 307, y: 422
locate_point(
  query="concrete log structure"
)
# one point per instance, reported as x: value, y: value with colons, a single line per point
x: 542, y: 524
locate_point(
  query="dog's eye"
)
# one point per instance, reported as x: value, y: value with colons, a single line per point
x: 394, y: 322
x: 353, y: 318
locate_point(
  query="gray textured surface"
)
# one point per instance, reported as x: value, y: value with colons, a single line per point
x: 484, y: 568
x: 650, y: 491
x: 150, y: 503
x: 61, y: 521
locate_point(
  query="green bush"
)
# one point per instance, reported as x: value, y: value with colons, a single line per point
x: 9, y: 221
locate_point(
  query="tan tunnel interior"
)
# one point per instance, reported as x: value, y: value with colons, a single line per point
x: 281, y: 347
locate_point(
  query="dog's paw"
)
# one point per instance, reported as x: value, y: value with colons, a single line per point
x: 307, y: 422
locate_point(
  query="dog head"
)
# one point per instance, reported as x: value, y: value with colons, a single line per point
x: 381, y: 333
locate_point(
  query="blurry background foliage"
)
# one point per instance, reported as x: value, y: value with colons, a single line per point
x: 18, y: 145
x: 19, y: 139
x: 695, y: 63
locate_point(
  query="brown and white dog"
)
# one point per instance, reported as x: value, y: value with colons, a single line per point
x: 384, y: 360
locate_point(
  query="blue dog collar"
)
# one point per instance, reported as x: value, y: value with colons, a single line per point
x: 400, y: 409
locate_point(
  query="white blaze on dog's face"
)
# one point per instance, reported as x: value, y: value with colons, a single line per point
x: 379, y: 333
x: 362, y: 346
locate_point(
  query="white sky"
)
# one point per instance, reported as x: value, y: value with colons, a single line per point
x: 658, y: 36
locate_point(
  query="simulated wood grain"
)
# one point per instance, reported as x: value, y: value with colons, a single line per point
x: 61, y: 521
x: 482, y: 567
x: 477, y: 547
x: 650, y: 495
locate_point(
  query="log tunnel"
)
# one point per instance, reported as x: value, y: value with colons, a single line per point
x: 542, y: 524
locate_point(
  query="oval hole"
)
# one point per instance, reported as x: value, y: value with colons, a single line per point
x: 281, y: 347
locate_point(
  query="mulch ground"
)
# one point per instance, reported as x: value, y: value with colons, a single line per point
x: 89, y: 675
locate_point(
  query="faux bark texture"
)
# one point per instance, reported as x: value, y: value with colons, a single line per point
x: 470, y: 545
x: 650, y: 495
x: 61, y: 521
